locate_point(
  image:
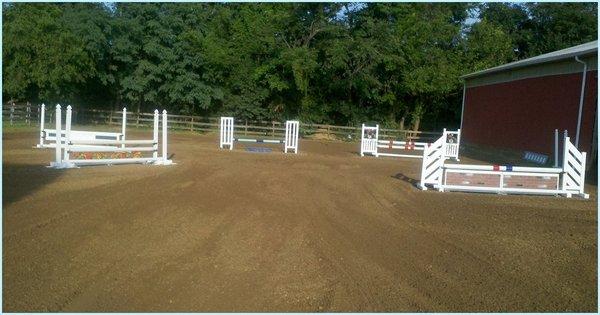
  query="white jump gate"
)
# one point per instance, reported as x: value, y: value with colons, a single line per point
x: 290, y: 140
x: 567, y: 181
x: 65, y: 144
x: 370, y: 144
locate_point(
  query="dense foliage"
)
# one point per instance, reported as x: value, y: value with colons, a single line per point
x: 398, y: 64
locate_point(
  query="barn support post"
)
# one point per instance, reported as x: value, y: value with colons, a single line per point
x: 555, y: 147
x: 580, y: 100
x: 462, y: 111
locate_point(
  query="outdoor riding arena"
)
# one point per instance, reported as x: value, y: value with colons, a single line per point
x: 321, y: 230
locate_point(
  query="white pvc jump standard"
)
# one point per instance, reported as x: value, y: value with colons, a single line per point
x: 290, y: 140
x: 370, y: 144
x: 567, y: 181
x: 67, y: 145
x: 48, y: 136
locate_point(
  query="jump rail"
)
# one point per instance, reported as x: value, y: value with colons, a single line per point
x: 370, y: 144
x: 567, y: 181
x: 290, y: 141
x: 72, y: 150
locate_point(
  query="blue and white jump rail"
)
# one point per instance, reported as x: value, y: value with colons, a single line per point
x: 370, y: 144
x: 567, y: 180
x: 290, y: 141
x: 68, y: 141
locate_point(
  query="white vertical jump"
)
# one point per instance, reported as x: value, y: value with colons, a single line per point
x: 291, y: 135
x: 290, y: 140
x: 368, y: 143
x: 48, y: 135
x: 226, y: 132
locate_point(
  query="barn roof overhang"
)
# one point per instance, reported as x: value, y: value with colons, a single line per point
x: 590, y: 48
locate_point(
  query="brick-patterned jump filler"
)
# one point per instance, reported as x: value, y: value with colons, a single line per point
x: 567, y: 180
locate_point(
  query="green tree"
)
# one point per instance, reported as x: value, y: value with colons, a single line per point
x: 44, y: 59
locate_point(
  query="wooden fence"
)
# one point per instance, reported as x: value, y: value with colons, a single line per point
x: 26, y: 113
x: 18, y: 113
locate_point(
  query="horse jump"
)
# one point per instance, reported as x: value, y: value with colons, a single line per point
x: 290, y: 140
x: 568, y: 180
x: 370, y: 143
x: 48, y: 136
x: 76, y: 151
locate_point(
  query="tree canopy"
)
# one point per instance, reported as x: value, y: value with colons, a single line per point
x: 395, y: 63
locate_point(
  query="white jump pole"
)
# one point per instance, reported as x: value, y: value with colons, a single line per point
x: 123, y: 125
x: 67, y: 134
x: 362, y: 140
x: 155, y: 136
x: 165, y: 161
x: 58, y: 135
x: 42, y: 113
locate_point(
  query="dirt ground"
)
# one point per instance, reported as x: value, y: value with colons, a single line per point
x: 324, y: 230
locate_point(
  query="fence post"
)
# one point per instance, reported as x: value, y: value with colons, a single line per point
x: 272, y: 129
x: 246, y: 127
x: 27, y: 114
x: 12, y: 112
x: 192, y: 123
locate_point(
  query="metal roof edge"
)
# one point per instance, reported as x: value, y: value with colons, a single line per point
x: 545, y: 58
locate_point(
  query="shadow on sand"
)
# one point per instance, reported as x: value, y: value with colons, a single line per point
x: 21, y: 180
x: 407, y: 179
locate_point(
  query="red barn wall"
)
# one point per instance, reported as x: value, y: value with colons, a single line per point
x: 523, y: 114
